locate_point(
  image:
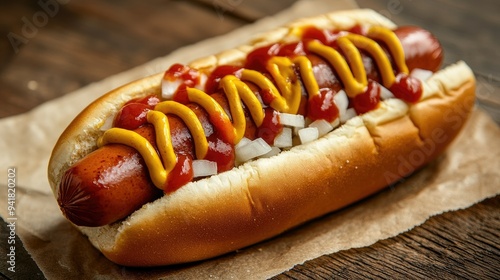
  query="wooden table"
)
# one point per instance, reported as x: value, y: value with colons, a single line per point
x: 52, y: 50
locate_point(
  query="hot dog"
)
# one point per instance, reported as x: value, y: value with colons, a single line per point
x: 98, y: 164
x: 134, y: 186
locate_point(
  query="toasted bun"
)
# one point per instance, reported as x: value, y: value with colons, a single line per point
x: 263, y: 198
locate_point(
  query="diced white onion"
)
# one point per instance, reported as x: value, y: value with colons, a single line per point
x: 203, y: 81
x: 242, y: 143
x: 335, y: 123
x: 292, y: 120
x: 349, y: 114
x: 274, y: 151
x: 421, y: 74
x: 203, y: 168
x: 341, y: 101
x: 295, y: 130
x: 322, y: 126
x: 385, y: 93
x: 253, y: 149
x: 308, y: 134
x: 168, y: 88
x: 108, y: 123
x: 284, y: 139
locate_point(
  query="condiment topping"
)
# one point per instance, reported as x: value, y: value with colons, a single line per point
x: 276, y: 79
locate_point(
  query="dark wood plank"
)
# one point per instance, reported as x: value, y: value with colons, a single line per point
x: 25, y: 267
x: 466, y: 30
x: 52, y: 50
x: 86, y: 41
x: 248, y: 10
x: 461, y: 244
x: 456, y: 245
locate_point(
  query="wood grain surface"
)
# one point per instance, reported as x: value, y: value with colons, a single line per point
x: 47, y: 51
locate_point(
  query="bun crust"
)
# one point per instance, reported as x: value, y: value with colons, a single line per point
x: 263, y: 198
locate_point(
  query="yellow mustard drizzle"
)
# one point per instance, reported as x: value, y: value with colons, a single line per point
x: 235, y: 91
x: 191, y: 121
x: 159, y: 170
x: 355, y: 81
x: 307, y: 75
x: 282, y: 69
x: 286, y: 96
x: 392, y: 42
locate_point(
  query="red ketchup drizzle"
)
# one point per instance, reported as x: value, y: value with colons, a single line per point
x: 221, y: 152
x: 219, y: 149
x: 257, y: 59
x: 357, y: 29
x: 181, y: 95
x: 133, y: 114
x: 188, y: 75
x: 181, y: 174
x: 322, y: 106
x: 407, y: 88
x: 270, y: 127
x: 326, y: 37
x: 369, y: 100
x: 213, y: 81
x: 292, y: 49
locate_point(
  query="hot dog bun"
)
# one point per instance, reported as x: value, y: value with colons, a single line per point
x: 263, y: 198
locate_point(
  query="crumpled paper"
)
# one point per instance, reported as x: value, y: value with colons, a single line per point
x: 466, y: 174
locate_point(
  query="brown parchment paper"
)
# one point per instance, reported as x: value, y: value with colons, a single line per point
x: 466, y: 174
